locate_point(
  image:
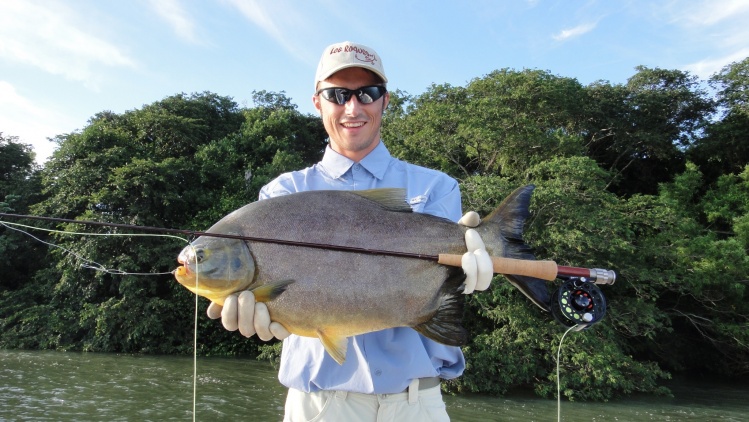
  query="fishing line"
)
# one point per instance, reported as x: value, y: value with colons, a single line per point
x: 87, y: 263
x: 559, y: 388
x: 93, y: 265
x: 599, y: 275
x: 195, y: 341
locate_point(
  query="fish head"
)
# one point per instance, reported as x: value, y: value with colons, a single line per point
x: 215, y: 267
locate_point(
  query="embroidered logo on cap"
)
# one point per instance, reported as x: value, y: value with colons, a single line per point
x: 359, y: 53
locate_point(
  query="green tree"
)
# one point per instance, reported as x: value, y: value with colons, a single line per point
x: 183, y: 162
x: 574, y: 221
x: 19, y: 188
x: 500, y: 124
x: 723, y: 149
x: 697, y: 277
x: 135, y: 168
x: 639, y: 131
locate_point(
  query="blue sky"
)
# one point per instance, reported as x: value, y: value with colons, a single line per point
x: 63, y: 61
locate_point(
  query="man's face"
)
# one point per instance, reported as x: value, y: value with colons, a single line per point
x: 353, y: 128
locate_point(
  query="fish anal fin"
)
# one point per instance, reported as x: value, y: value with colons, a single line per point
x: 270, y: 291
x: 444, y: 326
x: 336, y: 346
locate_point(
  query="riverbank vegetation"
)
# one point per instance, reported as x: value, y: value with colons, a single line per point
x: 649, y: 178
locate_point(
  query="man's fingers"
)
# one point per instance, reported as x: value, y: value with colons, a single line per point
x: 262, y: 322
x: 485, y: 270
x: 229, y: 313
x: 214, y: 310
x: 279, y: 331
x: 473, y: 241
x: 476, y: 263
x: 471, y: 269
x: 246, y: 313
x: 470, y: 219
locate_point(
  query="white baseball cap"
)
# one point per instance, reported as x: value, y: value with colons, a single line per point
x: 348, y: 54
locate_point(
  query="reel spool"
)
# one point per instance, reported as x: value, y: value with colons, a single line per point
x: 578, y: 302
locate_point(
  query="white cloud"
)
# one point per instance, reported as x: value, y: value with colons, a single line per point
x: 574, y: 32
x: 48, y: 36
x: 719, y: 26
x: 708, y: 67
x: 710, y: 12
x: 173, y: 12
x: 31, y: 123
x: 280, y: 20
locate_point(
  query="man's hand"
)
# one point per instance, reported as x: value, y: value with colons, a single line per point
x: 240, y: 311
x: 477, y: 265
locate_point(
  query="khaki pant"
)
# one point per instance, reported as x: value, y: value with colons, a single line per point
x: 334, y: 406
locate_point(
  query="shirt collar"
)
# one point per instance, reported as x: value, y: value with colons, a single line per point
x: 376, y: 162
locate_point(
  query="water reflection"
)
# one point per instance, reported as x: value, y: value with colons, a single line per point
x: 52, y: 386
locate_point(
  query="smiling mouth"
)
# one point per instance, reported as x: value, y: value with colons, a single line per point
x: 352, y: 125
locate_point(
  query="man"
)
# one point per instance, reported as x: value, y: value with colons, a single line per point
x: 391, y: 374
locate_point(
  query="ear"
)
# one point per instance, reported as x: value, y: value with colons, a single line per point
x: 316, y: 103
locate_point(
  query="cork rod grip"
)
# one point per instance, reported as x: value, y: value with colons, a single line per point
x: 545, y: 270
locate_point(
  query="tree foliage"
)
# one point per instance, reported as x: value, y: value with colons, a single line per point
x: 640, y: 131
x: 723, y: 149
x: 649, y: 178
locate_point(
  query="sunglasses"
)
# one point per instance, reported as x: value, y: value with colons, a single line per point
x: 365, y: 94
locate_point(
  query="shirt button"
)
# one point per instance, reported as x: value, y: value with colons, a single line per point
x: 378, y: 372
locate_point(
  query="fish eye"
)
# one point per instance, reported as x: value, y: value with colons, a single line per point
x: 199, y: 255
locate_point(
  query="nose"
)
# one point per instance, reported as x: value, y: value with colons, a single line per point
x: 352, y: 106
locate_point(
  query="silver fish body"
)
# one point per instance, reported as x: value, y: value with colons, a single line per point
x: 334, y: 294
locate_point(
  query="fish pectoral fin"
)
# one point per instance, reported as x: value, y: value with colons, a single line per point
x: 270, y: 291
x: 336, y: 346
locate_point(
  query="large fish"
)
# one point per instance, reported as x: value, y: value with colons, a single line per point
x: 334, y: 294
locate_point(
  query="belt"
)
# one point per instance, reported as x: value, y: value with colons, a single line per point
x: 425, y: 383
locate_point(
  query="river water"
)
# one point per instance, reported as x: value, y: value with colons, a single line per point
x: 55, y: 386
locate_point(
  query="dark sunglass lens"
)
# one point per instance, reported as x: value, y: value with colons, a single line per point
x: 336, y: 95
x: 370, y: 94
x: 342, y: 95
x: 366, y: 95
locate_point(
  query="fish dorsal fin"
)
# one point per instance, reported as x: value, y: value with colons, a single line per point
x: 512, y: 212
x: 392, y: 199
x: 336, y: 346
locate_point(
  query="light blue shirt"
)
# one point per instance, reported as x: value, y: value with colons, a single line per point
x: 385, y: 361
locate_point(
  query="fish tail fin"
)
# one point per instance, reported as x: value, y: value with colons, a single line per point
x: 444, y: 326
x: 502, y: 233
x: 270, y: 291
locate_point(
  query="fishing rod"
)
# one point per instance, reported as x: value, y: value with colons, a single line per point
x: 577, y: 303
x: 545, y: 270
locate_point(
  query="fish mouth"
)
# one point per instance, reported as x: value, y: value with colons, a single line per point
x: 181, y: 271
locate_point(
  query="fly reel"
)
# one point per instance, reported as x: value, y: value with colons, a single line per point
x: 578, y: 303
